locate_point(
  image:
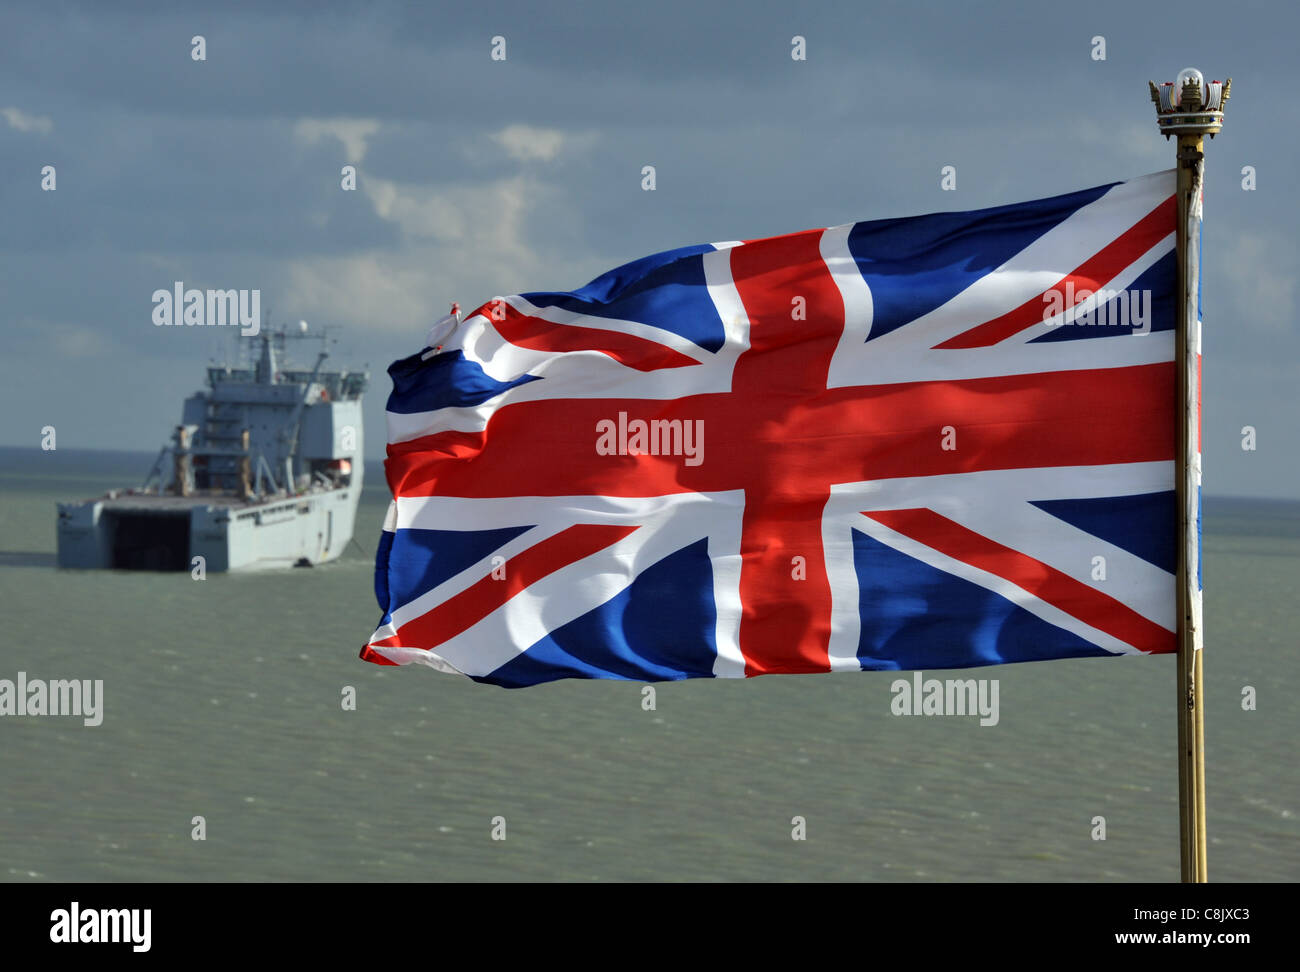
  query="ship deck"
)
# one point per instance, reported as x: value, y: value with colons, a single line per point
x: 146, y: 503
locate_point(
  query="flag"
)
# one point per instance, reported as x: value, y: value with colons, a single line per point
x: 930, y: 442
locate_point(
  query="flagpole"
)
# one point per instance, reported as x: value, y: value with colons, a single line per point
x: 1190, y: 109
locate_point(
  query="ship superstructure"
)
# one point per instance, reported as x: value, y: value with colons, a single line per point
x: 264, y: 470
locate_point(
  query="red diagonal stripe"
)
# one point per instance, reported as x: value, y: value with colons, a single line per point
x: 542, y: 335
x: 480, y: 599
x: 1058, y: 589
x: 1093, y: 274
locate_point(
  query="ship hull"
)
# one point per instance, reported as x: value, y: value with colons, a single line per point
x: 169, y: 532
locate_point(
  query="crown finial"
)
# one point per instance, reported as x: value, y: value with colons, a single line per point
x: 1190, y: 105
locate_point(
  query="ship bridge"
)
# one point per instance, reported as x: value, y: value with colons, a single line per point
x: 268, y: 427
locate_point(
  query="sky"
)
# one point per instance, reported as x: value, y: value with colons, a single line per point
x: 478, y: 177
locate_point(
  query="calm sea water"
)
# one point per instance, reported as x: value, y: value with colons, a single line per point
x: 222, y: 700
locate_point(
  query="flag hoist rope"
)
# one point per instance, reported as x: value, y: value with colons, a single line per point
x: 1191, y: 695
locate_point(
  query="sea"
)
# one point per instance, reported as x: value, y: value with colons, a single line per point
x: 227, y: 750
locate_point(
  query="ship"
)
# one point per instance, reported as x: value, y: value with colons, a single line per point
x: 264, y: 471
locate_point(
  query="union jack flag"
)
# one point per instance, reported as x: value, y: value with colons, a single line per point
x: 933, y: 442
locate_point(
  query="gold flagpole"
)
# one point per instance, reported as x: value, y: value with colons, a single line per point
x: 1190, y: 109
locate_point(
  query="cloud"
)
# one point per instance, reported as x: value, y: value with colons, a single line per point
x: 78, y: 342
x: 460, y: 242
x: 59, y: 339
x: 23, y: 122
x: 526, y: 143
x: 371, y: 289
x: 467, y: 243
x: 352, y: 132
x: 489, y: 216
x: 399, y: 292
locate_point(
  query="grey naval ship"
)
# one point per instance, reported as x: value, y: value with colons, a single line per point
x: 264, y: 470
